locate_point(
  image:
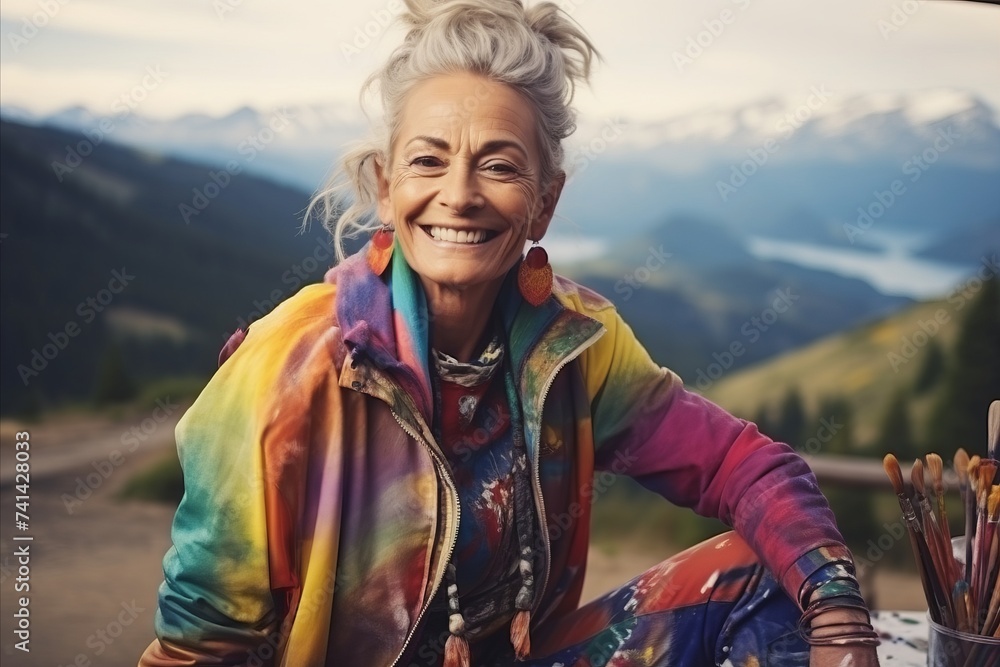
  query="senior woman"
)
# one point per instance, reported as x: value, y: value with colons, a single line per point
x: 395, y: 467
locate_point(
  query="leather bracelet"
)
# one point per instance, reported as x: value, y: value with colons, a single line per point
x: 842, y: 624
x: 863, y: 633
x: 840, y: 569
x: 839, y: 584
x: 841, y: 601
x: 860, y: 639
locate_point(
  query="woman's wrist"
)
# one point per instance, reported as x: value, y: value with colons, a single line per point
x: 827, y: 624
x: 829, y: 621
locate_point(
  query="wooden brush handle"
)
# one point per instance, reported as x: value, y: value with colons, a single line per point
x: 970, y: 534
x: 993, y: 429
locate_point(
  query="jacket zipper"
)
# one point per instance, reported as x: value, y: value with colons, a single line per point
x: 540, y: 504
x: 453, y: 493
x: 537, y: 489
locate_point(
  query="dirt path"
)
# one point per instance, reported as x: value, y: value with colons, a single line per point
x: 95, y: 562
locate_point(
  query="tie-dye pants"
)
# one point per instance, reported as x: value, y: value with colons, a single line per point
x: 713, y: 604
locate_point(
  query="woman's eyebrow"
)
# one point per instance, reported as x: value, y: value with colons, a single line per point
x: 497, y: 144
x: 488, y: 147
x: 437, y: 142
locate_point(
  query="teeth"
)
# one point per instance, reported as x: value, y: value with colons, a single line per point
x: 456, y: 236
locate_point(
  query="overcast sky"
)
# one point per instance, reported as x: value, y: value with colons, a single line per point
x: 216, y: 55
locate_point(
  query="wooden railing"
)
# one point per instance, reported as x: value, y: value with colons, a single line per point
x: 863, y: 472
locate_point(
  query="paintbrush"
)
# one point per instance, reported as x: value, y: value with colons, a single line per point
x: 992, y: 620
x: 960, y: 603
x: 993, y: 429
x: 970, y: 514
x: 932, y: 533
x: 990, y: 536
x: 961, y: 462
x: 982, y: 655
x: 935, y: 466
x: 936, y: 600
x: 984, y: 484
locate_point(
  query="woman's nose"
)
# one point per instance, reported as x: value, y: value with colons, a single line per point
x: 460, y: 190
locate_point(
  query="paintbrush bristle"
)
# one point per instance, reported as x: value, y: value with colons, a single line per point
x: 892, y: 470
x: 917, y: 477
x: 974, y: 473
x: 993, y: 429
x: 961, y: 462
x: 987, y: 470
x: 935, y: 466
x: 993, y: 503
x: 984, y: 481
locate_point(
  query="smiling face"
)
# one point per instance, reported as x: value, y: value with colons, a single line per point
x: 461, y: 186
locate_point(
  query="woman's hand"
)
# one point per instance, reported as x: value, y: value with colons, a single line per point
x: 823, y: 625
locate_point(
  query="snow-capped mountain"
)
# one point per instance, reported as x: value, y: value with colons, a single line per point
x: 814, y: 125
x: 794, y: 166
x: 294, y: 145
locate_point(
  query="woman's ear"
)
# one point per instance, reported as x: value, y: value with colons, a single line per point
x: 547, y: 206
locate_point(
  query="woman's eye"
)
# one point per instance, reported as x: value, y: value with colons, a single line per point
x: 425, y: 161
x: 500, y: 168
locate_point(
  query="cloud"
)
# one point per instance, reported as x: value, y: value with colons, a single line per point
x: 225, y: 53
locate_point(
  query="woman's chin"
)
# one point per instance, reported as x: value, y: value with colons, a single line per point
x: 458, y: 278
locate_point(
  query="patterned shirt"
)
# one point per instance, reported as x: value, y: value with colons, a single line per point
x: 474, y: 430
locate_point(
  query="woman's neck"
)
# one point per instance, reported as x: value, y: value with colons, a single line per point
x: 459, y: 317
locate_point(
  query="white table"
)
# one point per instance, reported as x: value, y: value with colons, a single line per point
x: 904, y: 638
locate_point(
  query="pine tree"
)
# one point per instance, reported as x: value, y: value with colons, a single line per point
x: 791, y: 425
x: 832, y: 429
x: 932, y: 370
x: 896, y: 430
x: 972, y: 380
x: 763, y: 420
x: 855, y: 512
x: 32, y: 406
x: 854, y: 508
x: 113, y: 382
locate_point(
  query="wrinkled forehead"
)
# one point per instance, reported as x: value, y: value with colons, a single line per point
x: 463, y: 108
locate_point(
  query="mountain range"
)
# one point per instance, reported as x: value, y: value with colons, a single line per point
x: 804, y: 166
x: 105, y: 258
x: 157, y: 259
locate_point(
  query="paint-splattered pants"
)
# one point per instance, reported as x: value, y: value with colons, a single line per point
x: 710, y: 604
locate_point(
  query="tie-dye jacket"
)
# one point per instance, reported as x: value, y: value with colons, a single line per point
x: 311, y: 527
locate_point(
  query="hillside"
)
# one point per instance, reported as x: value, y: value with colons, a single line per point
x: 202, y: 251
x: 690, y: 289
x: 865, y: 366
x: 99, y: 261
x: 817, y: 176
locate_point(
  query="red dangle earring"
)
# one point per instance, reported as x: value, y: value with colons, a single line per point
x: 534, y: 276
x: 380, y: 249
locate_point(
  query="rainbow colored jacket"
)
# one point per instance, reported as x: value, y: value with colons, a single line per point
x: 311, y: 526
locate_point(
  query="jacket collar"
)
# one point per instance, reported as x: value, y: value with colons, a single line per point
x: 384, y: 320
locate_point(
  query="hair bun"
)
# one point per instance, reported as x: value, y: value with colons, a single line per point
x: 550, y: 21
x: 546, y: 19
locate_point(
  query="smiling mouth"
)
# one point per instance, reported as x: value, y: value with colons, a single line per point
x: 471, y: 237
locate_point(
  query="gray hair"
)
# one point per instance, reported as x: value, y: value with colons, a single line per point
x: 539, y: 51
